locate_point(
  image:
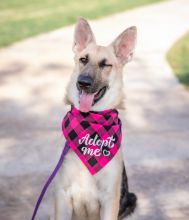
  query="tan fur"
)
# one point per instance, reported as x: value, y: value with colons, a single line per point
x: 80, y: 196
x: 113, y: 74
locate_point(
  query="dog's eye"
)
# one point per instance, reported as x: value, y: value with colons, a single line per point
x: 103, y: 64
x: 84, y: 60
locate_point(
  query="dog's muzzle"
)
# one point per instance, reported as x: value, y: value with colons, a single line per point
x: 89, y: 92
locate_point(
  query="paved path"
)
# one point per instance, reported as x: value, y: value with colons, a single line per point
x: 33, y: 75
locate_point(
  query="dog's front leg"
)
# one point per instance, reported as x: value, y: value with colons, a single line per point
x: 110, y: 208
x: 63, y: 206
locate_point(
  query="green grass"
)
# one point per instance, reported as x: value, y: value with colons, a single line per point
x: 178, y: 57
x: 20, y: 19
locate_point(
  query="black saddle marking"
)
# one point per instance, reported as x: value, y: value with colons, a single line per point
x: 128, y: 201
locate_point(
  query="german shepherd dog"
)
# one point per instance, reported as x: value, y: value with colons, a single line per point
x: 96, y: 84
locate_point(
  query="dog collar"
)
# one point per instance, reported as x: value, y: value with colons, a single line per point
x: 94, y: 136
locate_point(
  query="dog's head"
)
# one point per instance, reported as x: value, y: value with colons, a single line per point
x: 97, y: 83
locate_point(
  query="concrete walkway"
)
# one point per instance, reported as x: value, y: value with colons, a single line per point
x: 33, y: 75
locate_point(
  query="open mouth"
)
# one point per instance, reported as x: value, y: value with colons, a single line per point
x: 87, y: 100
x: 99, y: 94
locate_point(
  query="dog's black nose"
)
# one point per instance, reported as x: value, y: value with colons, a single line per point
x: 84, y: 82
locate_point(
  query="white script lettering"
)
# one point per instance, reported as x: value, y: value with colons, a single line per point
x: 87, y: 141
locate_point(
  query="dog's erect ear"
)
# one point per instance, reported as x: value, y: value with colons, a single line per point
x: 124, y: 45
x: 83, y: 35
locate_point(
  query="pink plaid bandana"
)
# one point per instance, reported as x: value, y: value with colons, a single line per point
x: 94, y: 136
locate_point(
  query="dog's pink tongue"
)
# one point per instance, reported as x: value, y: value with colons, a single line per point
x: 86, y: 101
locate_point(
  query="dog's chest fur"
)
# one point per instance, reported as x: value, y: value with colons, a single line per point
x: 86, y: 192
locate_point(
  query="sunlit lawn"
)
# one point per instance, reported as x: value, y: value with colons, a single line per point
x: 178, y: 57
x: 23, y: 18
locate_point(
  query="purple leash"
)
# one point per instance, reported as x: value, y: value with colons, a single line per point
x: 51, y: 177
